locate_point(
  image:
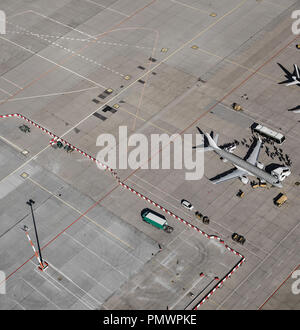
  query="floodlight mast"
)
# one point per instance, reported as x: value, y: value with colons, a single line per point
x: 30, y: 203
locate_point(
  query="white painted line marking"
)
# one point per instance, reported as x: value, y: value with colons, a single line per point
x: 67, y: 50
x: 9, y: 81
x: 5, y: 92
x: 48, y: 60
x: 191, y: 7
x: 40, y: 293
x: 49, y: 95
x: 269, y: 274
x: 108, y: 8
x: 60, y: 23
x: 96, y: 255
x: 259, y: 285
x: 84, y: 302
x: 11, y: 144
x: 100, y: 284
x: 69, y: 279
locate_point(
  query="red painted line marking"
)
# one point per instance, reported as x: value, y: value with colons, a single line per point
x: 278, y: 287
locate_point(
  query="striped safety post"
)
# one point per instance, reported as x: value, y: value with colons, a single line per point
x: 42, y: 266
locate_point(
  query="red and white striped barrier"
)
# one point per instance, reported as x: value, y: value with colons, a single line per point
x: 29, y: 121
x: 220, y: 283
x: 55, y: 139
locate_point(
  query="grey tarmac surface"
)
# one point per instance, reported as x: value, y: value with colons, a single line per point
x: 55, y: 60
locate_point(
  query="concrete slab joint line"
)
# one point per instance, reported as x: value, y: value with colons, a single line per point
x: 115, y: 175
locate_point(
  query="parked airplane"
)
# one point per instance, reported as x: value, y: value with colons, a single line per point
x: 292, y: 78
x: 243, y: 167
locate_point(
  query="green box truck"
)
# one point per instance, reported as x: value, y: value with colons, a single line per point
x: 155, y: 219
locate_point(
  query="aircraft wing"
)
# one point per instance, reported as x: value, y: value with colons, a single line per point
x: 253, y: 155
x: 228, y: 175
x: 296, y: 82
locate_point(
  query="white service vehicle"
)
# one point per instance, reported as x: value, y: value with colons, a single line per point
x: 187, y: 204
x: 268, y: 133
x: 281, y: 172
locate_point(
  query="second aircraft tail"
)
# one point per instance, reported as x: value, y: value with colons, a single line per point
x: 210, y: 141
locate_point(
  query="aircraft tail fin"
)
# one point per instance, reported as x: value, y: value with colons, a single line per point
x: 210, y: 141
x: 215, y: 137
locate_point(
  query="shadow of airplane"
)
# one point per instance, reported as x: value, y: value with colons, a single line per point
x: 219, y: 176
x: 288, y: 75
x: 273, y: 166
x: 296, y: 109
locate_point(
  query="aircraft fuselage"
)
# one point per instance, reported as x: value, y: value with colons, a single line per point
x: 253, y: 170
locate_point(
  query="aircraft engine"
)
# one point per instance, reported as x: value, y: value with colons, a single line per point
x: 260, y: 165
x: 244, y: 179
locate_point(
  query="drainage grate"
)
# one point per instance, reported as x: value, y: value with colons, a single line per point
x: 98, y: 115
x: 102, y: 96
